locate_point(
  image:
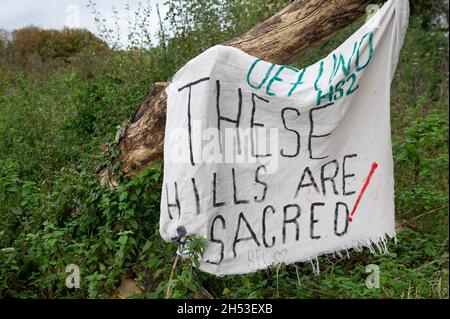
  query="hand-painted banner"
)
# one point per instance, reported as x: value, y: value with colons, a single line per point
x: 274, y: 164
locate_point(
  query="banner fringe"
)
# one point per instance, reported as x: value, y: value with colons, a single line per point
x: 375, y: 245
x: 378, y: 245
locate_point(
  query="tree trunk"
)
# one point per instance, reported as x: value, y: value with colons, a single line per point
x: 281, y: 39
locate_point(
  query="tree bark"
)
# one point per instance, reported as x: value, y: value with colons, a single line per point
x: 281, y: 39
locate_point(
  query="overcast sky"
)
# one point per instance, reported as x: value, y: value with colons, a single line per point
x: 55, y: 14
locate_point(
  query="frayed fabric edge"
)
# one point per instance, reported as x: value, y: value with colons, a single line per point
x: 378, y: 245
x: 375, y: 245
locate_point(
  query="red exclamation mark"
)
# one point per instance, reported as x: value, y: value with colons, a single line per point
x: 366, y: 183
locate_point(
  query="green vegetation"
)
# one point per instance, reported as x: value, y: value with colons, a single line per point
x: 64, y: 93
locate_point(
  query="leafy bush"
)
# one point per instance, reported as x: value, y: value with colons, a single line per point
x: 56, y: 124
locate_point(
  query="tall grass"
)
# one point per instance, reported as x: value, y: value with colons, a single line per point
x: 59, y: 114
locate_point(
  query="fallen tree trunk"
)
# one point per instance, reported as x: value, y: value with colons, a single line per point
x: 281, y: 39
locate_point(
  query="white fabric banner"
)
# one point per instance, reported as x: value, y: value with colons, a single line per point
x: 272, y: 164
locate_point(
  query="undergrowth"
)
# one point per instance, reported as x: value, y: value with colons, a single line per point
x: 59, y: 116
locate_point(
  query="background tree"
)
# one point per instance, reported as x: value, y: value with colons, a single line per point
x: 58, y: 122
x: 432, y: 13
